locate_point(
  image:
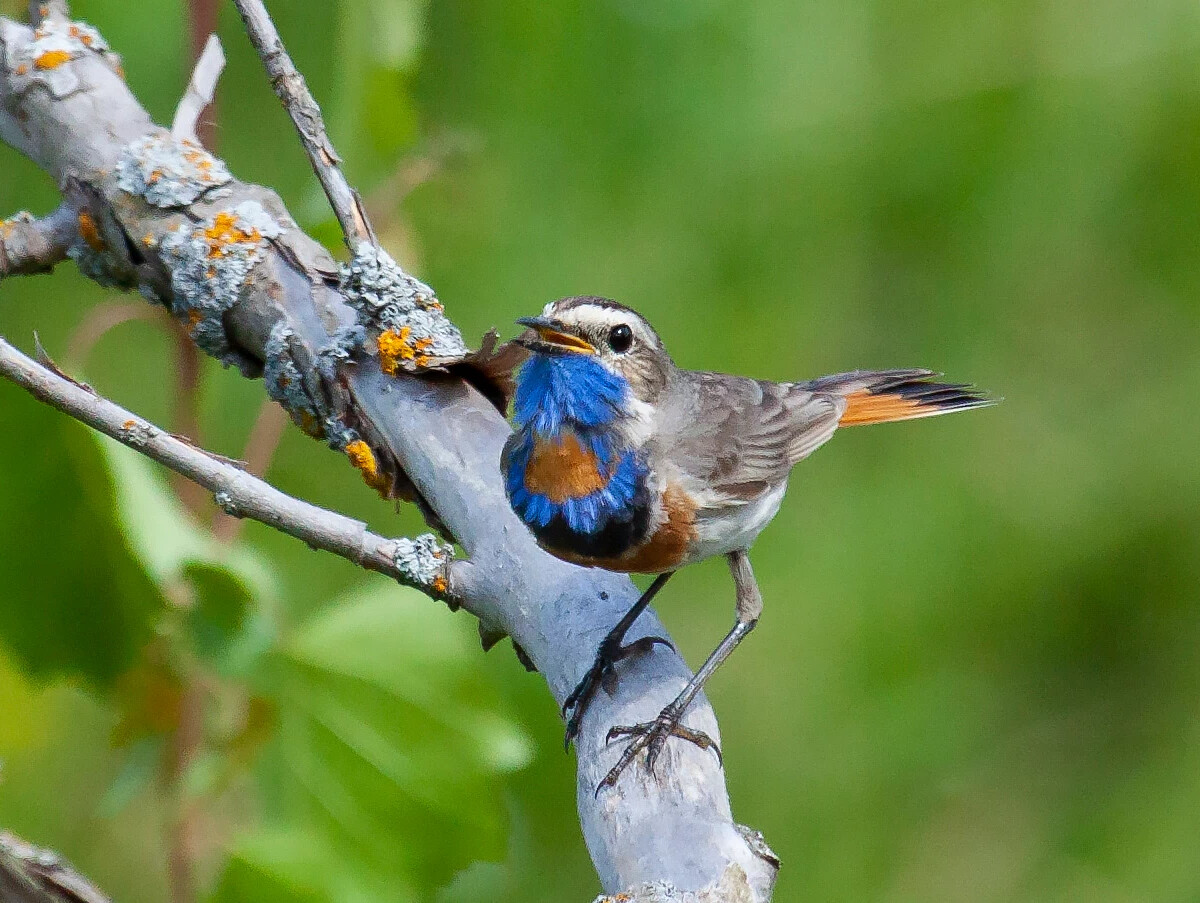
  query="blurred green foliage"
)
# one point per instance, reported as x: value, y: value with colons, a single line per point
x: 976, y: 678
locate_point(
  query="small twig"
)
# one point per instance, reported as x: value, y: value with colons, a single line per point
x: 200, y: 90
x: 29, y: 245
x: 29, y: 874
x: 203, y: 20
x: 265, y: 437
x: 422, y: 563
x: 293, y: 93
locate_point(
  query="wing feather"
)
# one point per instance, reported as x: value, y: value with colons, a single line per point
x: 741, y: 436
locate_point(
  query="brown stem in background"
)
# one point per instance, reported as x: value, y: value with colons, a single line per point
x: 202, y: 21
x: 185, y: 744
x: 97, y: 323
x: 264, y: 439
x: 188, y: 739
x: 185, y: 420
x: 383, y: 203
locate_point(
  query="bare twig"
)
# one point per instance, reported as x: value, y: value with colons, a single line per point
x: 202, y: 24
x: 29, y: 874
x: 29, y: 245
x: 200, y: 90
x: 293, y: 93
x: 237, y: 492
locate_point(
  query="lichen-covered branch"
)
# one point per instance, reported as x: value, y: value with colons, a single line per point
x: 29, y: 874
x: 423, y: 562
x: 363, y: 357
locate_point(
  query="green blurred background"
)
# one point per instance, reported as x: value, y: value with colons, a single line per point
x: 976, y: 677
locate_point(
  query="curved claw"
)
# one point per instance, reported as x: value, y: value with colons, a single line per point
x: 652, y: 736
x: 602, y: 673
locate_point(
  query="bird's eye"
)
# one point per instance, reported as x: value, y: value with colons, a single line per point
x: 620, y: 337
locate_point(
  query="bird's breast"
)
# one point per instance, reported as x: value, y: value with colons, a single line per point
x: 667, y: 545
x: 563, y: 469
x: 579, y: 492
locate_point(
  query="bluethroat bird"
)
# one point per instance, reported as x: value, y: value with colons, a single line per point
x: 621, y: 460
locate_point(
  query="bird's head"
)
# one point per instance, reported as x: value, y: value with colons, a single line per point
x: 607, y: 333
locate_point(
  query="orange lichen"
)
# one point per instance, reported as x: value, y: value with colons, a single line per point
x: 194, y: 318
x: 363, y: 458
x: 89, y: 232
x: 439, y: 585
x: 128, y: 424
x: 80, y: 35
x: 395, y: 347
x: 224, y: 232
x: 22, y: 69
x: 51, y: 59
x: 148, y: 240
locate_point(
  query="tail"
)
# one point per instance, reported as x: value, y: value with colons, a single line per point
x: 882, y: 396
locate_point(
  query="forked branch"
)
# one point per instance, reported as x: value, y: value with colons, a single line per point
x: 360, y: 353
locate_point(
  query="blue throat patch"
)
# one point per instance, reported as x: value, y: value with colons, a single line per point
x: 560, y: 390
x: 574, y: 393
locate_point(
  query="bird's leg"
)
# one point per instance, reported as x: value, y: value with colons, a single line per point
x: 603, y: 670
x: 652, y: 735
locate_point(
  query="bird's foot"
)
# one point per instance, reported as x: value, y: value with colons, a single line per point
x: 603, y: 673
x: 652, y: 737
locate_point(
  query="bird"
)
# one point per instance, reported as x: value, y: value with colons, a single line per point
x: 621, y: 460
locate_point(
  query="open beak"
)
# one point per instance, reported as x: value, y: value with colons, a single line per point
x: 551, y: 339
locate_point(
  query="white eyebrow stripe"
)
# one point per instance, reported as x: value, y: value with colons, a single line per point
x: 588, y: 315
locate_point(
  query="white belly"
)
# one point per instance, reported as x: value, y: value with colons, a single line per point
x: 732, y: 528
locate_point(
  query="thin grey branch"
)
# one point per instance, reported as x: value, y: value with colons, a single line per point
x: 293, y: 93
x: 29, y: 245
x: 334, y: 346
x: 29, y: 874
x: 423, y: 563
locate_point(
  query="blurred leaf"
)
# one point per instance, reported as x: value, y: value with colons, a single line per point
x: 78, y: 601
x: 290, y: 865
x: 391, y: 747
x: 230, y: 589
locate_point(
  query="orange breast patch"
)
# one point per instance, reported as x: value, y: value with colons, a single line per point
x: 562, y: 469
x: 663, y: 550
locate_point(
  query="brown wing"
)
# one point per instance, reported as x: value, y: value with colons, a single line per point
x: 741, y: 436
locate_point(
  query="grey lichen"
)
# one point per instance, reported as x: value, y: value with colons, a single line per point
x: 167, y: 172
x: 137, y: 434
x: 338, y: 435
x: 401, y: 314
x: 423, y: 561
x: 285, y: 383
x: 55, y: 44
x: 21, y: 217
x: 95, y: 265
x: 209, y: 263
x: 342, y: 346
